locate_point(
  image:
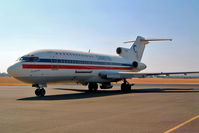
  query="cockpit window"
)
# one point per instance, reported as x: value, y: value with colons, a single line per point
x: 29, y: 59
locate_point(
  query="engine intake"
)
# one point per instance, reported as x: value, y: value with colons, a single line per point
x: 122, y: 51
x: 119, y: 50
x: 135, y: 64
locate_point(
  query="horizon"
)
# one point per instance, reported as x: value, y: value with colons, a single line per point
x: 102, y: 26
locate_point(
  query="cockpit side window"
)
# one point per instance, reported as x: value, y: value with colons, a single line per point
x: 29, y: 59
x: 33, y: 59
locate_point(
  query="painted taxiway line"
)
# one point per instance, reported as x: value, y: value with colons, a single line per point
x: 182, y: 124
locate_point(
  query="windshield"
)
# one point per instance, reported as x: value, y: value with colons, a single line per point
x: 29, y: 59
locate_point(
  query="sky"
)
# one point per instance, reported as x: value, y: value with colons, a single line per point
x: 102, y: 26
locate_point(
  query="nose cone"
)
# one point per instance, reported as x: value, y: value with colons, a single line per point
x: 14, y: 69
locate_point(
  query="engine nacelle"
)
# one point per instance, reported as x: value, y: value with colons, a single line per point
x: 123, y: 51
x: 139, y: 65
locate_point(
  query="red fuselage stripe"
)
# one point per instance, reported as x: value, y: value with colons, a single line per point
x: 31, y: 66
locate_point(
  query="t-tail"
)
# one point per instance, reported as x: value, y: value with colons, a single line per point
x: 136, y: 51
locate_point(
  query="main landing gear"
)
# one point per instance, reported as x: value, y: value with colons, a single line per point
x: 125, y: 87
x: 40, y: 91
x: 92, y: 87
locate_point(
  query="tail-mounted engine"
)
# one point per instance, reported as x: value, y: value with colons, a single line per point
x: 138, y: 65
x: 124, y: 52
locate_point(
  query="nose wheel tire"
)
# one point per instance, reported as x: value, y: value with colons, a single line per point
x: 37, y: 92
x: 40, y: 92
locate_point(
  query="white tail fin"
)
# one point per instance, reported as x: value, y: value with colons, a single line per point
x: 137, y: 49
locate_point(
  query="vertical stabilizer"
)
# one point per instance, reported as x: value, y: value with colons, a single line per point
x: 136, y: 51
x: 138, y: 47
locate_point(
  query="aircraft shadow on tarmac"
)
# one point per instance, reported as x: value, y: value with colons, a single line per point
x: 101, y: 93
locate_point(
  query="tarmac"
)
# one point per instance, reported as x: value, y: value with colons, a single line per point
x: 72, y: 109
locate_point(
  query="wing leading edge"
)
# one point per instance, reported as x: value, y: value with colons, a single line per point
x: 126, y: 75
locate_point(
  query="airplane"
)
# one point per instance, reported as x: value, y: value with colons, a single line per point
x: 50, y: 65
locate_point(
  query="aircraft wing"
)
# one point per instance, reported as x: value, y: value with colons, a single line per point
x: 124, y: 75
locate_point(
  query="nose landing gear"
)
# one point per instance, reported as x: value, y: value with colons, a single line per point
x: 40, y: 91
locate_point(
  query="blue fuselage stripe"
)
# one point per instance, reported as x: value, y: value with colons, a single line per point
x: 80, y: 62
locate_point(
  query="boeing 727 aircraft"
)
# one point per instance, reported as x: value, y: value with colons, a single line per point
x: 45, y: 66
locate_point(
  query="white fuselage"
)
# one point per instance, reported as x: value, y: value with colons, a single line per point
x: 45, y: 66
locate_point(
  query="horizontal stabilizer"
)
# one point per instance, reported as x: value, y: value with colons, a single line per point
x: 151, y: 39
